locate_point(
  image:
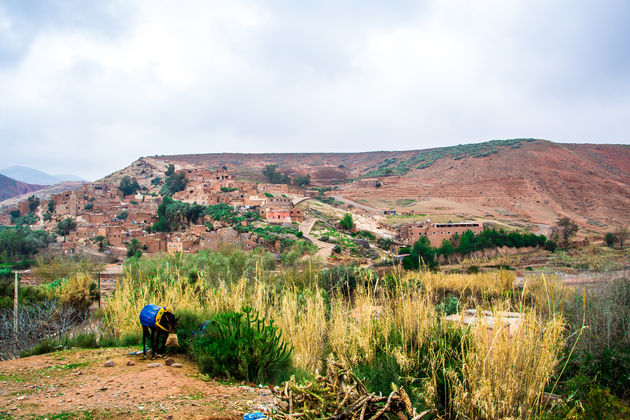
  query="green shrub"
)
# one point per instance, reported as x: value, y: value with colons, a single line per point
x: 550, y: 245
x: 449, y: 306
x: 473, y: 269
x: 242, y: 345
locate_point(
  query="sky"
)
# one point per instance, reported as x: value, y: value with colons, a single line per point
x: 87, y: 87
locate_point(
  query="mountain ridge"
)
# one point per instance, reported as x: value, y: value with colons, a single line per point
x: 520, y: 180
x: 35, y: 176
x: 10, y: 188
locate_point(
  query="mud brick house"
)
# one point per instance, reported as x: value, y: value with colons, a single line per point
x: 436, y: 232
x: 179, y: 245
x: 5, y: 219
x: 155, y: 243
x: 113, y: 234
x: 273, y: 188
x: 199, y: 230
x: 98, y: 217
x: 23, y: 207
x: 276, y: 215
x: 65, y: 203
x: 106, y: 191
x: 297, y: 215
x: 227, y: 236
x: 84, y: 232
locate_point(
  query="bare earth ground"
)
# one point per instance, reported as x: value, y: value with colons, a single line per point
x: 74, y: 384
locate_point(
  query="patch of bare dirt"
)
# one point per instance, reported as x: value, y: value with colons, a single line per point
x: 77, y: 384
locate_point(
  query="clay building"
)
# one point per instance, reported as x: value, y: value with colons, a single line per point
x: 436, y: 232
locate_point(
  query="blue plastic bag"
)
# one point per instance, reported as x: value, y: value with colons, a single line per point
x: 254, y: 416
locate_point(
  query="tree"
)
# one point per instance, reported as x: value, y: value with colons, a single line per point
x: 447, y: 248
x: 65, y: 226
x: 100, y: 240
x: 302, y: 180
x: 173, y: 183
x: 51, y: 206
x: 20, y: 242
x: 128, y: 185
x: 156, y: 180
x: 466, y: 242
x: 122, y: 215
x: 275, y: 177
x: 14, y: 215
x: 610, y: 239
x: 565, y: 228
x: 170, y: 170
x: 33, y: 203
x: 346, y: 222
x: 422, y: 253
x: 621, y: 233
x: 134, y: 248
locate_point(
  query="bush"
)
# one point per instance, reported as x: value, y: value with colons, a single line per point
x: 242, y: 345
x: 77, y: 291
x: 550, y: 245
x: 449, y: 306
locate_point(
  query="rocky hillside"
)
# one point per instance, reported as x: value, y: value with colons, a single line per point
x: 9, y: 187
x: 520, y: 180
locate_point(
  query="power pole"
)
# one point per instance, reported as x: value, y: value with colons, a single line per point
x: 15, y: 307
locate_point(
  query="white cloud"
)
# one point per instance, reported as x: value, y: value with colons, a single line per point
x: 203, y: 76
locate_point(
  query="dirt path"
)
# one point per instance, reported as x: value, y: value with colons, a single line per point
x: 325, y: 249
x: 74, y: 384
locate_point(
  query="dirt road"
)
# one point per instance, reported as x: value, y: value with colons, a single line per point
x: 75, y: 384
x: 325, y: 249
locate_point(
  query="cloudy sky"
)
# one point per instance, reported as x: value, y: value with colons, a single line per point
x: 87, y: 87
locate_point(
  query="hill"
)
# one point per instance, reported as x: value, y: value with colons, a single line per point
x: 11, y: 188
x: 43, y: 192
x: 34, y: 176
x: 520, y: 181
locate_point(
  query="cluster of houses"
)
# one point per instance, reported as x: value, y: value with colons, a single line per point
x: 105, y: 217
x: 101, y: 210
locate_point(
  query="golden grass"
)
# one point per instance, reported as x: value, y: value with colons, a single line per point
x: 500, y: 377
x: 504, y: 376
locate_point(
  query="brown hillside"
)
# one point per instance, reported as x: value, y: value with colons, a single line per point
x: 9, y: 187
x: 520, y: 181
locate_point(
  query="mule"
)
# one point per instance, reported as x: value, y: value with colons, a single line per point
x: 157, y: 323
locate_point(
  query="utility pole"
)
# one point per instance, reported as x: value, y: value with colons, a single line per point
x: 15, y: 304
x: 15, y: 307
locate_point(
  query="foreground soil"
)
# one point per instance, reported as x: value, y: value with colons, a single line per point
x: 75, y: 384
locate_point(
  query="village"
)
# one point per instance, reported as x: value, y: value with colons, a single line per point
x: 105, y: 221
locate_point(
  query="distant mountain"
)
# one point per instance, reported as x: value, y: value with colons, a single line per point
x: 66, y: 177
x: 34, y: 176
x: 11, y: 188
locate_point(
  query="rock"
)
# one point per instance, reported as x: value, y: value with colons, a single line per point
x: 176, y: 365
x: 109, y: 363
x: 169, y: 361
x: 154, y: 365
x: 131, y: 363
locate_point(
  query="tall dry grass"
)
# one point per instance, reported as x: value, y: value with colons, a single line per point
x: 504, y: 376
x: 398, y: 318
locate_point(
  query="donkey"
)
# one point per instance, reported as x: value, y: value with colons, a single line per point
x: 157, y: 323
